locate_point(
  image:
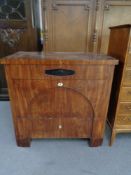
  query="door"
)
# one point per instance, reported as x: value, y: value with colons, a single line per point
x: 112, y: 13
x: 17, y: 32
x: 69, y: 25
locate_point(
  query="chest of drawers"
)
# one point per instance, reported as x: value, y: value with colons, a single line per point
x: 119, y: 116
x: 59, y: 95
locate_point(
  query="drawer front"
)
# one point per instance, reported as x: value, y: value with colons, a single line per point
x: 60, y: 71
x: 125, y: 108
x: 123, y: 120
x: 127, y: 77
x: 128, y: 60
x: 40, y: 85
x: 61, y: 128
x: 125, y: 94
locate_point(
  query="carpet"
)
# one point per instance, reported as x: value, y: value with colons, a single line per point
x: 61, y: 156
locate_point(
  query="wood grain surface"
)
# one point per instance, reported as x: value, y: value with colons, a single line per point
x: 50, y: 106
x: 120, y: 104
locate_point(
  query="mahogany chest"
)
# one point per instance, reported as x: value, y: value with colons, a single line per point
x: 60, y: 95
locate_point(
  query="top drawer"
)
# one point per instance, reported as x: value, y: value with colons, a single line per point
x: 59, y: 72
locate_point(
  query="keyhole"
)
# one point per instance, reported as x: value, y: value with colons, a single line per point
x: 60, y: 126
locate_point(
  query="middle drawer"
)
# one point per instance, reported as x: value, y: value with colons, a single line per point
x: 125, y: 94
x: 124, y: 108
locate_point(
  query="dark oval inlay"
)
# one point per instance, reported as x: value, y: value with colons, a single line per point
x: 60, y: 72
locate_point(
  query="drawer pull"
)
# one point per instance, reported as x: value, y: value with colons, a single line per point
x: 60, y: 84
x: 60, y: 72
x: 60, y: 126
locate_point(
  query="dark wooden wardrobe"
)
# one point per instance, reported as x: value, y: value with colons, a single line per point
x: 17, y: 33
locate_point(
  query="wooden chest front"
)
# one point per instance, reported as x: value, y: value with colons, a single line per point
x: 59, y: 99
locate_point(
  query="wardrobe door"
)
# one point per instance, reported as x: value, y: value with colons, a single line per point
x: 112, y: 13
x: 69, y: 25
x: 17, y: 32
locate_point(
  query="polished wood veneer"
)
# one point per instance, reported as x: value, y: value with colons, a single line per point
x: 61, y: 95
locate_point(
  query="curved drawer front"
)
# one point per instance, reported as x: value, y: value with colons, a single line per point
x: 25, y: 90
x: 125, y: 94
x: 60, y: 71
x: 57, y: 109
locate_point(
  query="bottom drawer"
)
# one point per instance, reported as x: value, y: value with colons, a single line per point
x: 62, y: 128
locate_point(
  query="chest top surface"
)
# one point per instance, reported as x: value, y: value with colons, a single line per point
x: 58, y: 58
